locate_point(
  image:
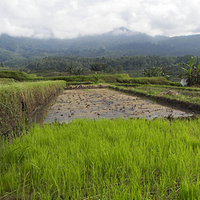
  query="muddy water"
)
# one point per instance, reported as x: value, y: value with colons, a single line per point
x: 105, y: 103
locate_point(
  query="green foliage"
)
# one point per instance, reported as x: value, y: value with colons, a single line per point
x: 96, y: 67
x: 16, y: 75
x: 16, y: 52
x: 106, y: 68
x: 188, y: 96
x: 80, y: 65
x: 99, y: 63
x: 104, y: 159
x: 71, y: 69
x: 78, y: 71
x: 192, y: 74
x: 18, y: 102
x: 90, y: 78
x: 155, y: 71
x: 97, y: 78
x: 9, y: 58
x: 79, y: 83
x: 6, y: 81
x: 146, y: 80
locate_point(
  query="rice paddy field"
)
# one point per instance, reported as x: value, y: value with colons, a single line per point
x: 103, y: 159
x: 106, y: 103
x: 20, y: 100
x: 187, y: 94
x: 96, y: 158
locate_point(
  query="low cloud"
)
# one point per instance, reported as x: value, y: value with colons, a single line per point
x: 72, y: 18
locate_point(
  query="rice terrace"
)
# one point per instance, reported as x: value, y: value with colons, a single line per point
x: 104, y: 103
x: 98, y: 137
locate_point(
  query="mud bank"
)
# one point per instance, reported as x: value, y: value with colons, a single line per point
x: 173, y: 103
x: 106, y: 103
x: 75, y: 87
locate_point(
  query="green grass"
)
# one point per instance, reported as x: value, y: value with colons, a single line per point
x: 4, y: 81
x: 104, y: 159
x: 18, y: 101
x: 78, y: 83
x: 146, y: 80
x: 190, y: 95
x: 180, y: 88
x: 16, y: 75
x: 94, y: 78
x: 89, y: 78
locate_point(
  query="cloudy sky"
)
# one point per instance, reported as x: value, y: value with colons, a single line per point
x: 72, y: 18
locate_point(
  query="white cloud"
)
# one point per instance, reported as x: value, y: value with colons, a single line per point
x: 71, y: 18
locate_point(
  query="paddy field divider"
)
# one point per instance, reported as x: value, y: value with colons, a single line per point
x: 19, y: 101
x: 172, y: 102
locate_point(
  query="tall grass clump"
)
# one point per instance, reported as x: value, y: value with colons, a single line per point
x: 104, y: 159
x: 18, y: 101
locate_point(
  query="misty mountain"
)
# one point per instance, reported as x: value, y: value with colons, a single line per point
x: 16, y: 51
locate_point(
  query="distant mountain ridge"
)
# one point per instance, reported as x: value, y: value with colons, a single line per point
x: 15, y: 51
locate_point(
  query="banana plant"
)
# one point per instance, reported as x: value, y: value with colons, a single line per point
x: 154, y: 71
x: 192, y: 74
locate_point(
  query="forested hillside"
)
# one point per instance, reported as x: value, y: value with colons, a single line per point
x: 19, y: 51
x: 83, y: 65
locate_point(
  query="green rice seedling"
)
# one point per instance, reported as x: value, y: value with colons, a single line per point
x: 103, y: 159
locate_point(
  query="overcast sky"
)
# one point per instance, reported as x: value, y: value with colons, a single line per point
x: 72, y: 18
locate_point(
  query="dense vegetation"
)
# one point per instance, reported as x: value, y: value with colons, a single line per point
x: 16, y: 75
x: 145, y: 80
x: 134, y: 65
x: 8, y: 75
x: 92, y: 78
x: 192, y: 73
x: 18, y: 102
x: 108, y: 53
x: 104, y: 159
x: 88, y: 159
x: 19, y: 51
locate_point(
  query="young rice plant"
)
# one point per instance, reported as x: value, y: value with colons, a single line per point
x: 103, y: 159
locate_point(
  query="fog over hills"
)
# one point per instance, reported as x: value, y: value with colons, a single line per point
x: 119, y: 42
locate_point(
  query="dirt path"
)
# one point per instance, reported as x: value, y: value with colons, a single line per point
x: 105, y: 103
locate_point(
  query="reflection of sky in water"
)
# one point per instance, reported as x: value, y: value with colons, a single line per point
x: 104, y: 103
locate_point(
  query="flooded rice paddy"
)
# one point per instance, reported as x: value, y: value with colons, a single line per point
x: 105, y: 103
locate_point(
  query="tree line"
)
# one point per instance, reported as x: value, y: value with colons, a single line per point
x: 80, y: 65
